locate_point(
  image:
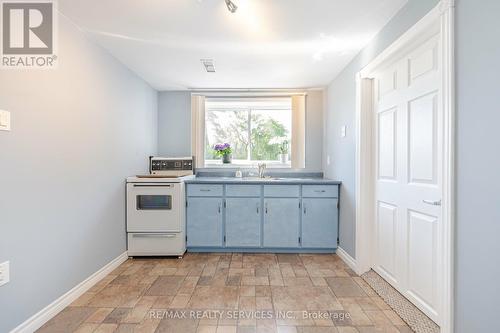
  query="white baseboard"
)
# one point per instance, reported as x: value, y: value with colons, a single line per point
x: 350, y: 261
x: 44, y: 315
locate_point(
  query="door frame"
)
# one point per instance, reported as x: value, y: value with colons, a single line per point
x: 441, y: 19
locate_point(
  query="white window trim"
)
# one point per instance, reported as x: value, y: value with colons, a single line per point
x: 298, y: 132
x: 245, y: 164
x: 198, y: 129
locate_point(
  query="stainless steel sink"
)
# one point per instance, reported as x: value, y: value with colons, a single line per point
x: 275, y: 178
x: 265, y: 178
x: 268, y: 178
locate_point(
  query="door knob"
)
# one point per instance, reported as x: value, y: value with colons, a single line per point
x: 433, y: 203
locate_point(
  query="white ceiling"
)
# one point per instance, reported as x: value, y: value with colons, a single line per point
x: 265, y: 44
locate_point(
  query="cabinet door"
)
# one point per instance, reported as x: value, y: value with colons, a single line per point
x: 319, y: 223
x: 243, y: 217
x: 281, y: 222
x: 204, y: 222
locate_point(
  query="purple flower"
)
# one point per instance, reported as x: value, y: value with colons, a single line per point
x: 222, y: 149
x: 222, y: 146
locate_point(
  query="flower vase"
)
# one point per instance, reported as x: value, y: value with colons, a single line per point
x: 283, y: 158
x: 226, y: 159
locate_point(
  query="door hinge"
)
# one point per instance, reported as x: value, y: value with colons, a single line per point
x: 338, y: 204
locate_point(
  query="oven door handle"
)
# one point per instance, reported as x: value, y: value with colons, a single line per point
x: 154, y: 235
x: 155, y: 185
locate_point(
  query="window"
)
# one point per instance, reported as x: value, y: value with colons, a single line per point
x: 257, y: 129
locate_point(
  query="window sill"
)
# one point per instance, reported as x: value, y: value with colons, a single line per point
x: 246, y: 165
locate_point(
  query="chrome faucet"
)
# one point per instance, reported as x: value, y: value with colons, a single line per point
x: 262, y: 169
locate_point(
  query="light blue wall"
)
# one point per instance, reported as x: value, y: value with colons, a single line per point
x: 77, y: 132
x: 174, y: 123
x: 341, y: 109
x: 478, y: 166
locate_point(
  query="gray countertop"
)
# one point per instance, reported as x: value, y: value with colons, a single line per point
x: 255, y: 180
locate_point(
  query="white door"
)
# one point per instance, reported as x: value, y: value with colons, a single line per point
x: 408, y: 123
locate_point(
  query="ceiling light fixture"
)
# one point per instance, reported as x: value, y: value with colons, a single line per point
x: 231, y: 6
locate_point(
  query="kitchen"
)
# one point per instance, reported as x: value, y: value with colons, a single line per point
x: 248, y: 166
x: 225, y: 187
x: 238, y: 214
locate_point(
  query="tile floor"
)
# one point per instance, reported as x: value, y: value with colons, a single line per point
x: 230, y: 293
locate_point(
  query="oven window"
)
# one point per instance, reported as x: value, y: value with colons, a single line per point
x: 154, y: 202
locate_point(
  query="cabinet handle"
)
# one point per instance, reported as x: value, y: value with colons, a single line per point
x: 257, y: 208
x: 304, y: 205
x: 204, y: 190
x: 153, y: 185
x: 154, y: 235
x: 266, y: 207
x: 319, y: 191
x: 219, y: 207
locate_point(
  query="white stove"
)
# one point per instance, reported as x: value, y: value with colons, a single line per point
x: 156, y: 210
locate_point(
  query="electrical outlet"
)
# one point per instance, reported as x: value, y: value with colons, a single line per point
x: 4, y: 273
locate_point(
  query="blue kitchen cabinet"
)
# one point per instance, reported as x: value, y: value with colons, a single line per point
x: 281, y: 222
x: 319, y: 222
x: 243, y: 222
x: 262, y: 217
x: 204, y: 227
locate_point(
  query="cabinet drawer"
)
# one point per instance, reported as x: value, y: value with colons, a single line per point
x: 201, y: 190
x: 282, y: 191
x: 144, y: 244
x: 243, y: 190
x: 320, y: 191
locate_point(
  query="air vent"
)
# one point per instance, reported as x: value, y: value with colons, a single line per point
x: 209, y: 65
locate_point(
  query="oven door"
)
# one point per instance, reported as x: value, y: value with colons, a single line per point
x: 154, y: 207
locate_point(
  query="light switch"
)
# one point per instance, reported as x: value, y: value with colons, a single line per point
x: 343, y: 131
x: 4, y: 273
x: 4, y: 120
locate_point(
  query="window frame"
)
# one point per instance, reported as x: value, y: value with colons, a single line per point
x: 217, y: 163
